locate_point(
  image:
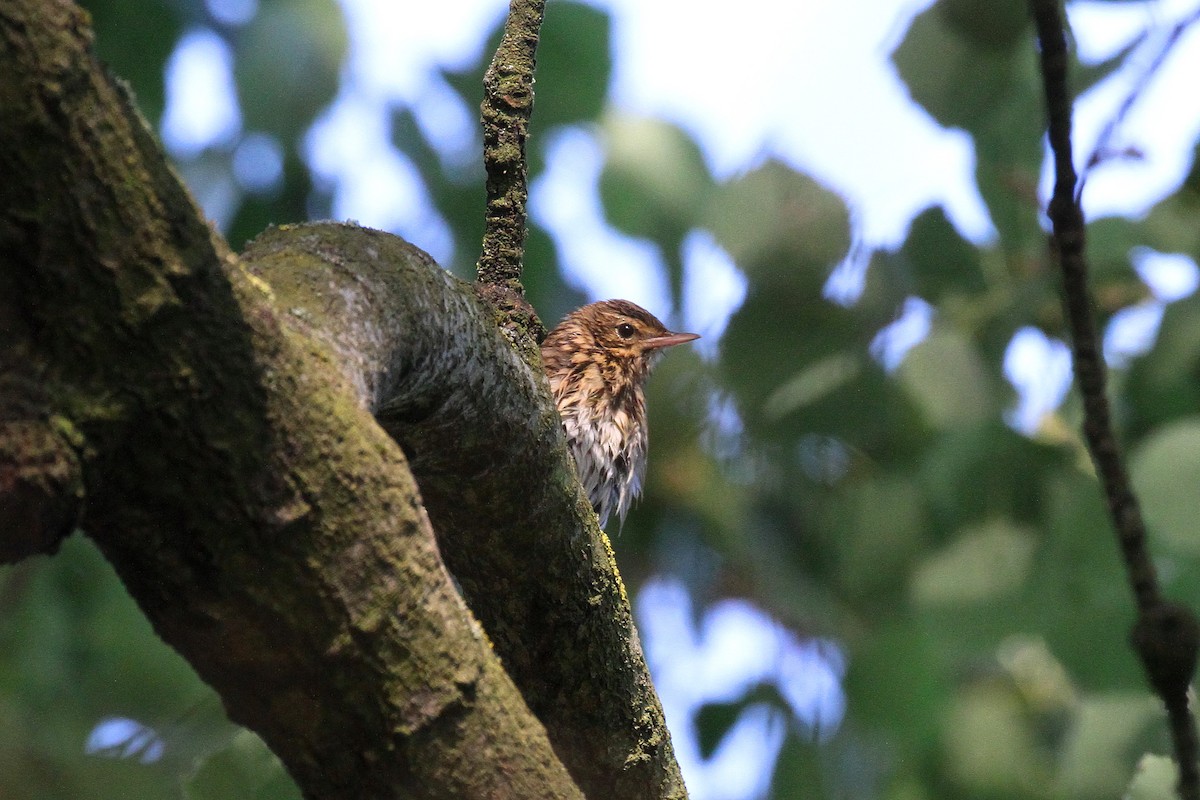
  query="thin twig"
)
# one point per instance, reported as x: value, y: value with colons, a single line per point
x: 506, y: 109
x: 1166, y: 635
x: 1103, y: 147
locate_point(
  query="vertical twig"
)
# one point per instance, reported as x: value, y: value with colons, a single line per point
x: 1166, y: 635
x: 507, y: 107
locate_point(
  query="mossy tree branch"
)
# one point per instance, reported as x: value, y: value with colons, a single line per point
x: 485, y: 443
x: 218, y: 426
x: 505, y: 112
x: 266, y: 526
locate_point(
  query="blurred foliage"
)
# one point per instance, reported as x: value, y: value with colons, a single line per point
x: 966, y: 571
x: 93, y: 705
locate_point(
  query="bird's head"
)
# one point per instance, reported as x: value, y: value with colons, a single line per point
x: 622, y: 330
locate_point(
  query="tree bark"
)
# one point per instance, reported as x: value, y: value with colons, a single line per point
x: 513, y: 524
x: 268, y: 528
x: 212, y: 431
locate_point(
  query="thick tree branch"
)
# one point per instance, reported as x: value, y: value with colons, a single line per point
x: 507, y: 107
x: 267, y: 527
x: 485, y: 443
x: 1166, y: 635
x: 254, y: 510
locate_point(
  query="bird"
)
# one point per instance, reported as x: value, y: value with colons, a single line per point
x: 597, y: 361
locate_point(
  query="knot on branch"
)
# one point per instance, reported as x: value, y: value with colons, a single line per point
x: 516, y: 318
x: 1166, y: 637
x: 512, y: 87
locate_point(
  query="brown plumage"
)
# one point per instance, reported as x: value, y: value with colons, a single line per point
x: 597, y: 360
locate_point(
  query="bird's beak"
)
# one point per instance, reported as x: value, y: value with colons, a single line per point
x: 671, y: 339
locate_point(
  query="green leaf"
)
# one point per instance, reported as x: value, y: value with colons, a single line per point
x: 796, y: 362
x: 544, y: 282
x: 760, y: 353
x: 953, y: 68
x: 1165, y: 469
x: 948, y: 381
x: 1155, y: 779
x: 797, y: 365
x: 815, y: 382
x: 1099, y: 743
x: 1078, y: 567
x: 880, y: 530
x: 973, y: 474
x: 573, y: 65
x: 972, y: 68
x: 655, y: 184
x: 988, y: 24
x: 291, y: 201
x: 982, y: 564
x: 1170, y: 227
x: 75, y: 650
x: 713, y: 722
x: 938, y: 262
x: 799, y: 771
x: 1110, y: 240
x: 1161, y: 386
x: 287, y: 63
x: 991, y: 749
x: 896, y: 686
x: 775, y: 220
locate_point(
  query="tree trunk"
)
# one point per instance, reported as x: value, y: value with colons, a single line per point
x: 209, y: 423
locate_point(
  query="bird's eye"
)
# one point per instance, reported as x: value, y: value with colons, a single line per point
x: 625, y: 330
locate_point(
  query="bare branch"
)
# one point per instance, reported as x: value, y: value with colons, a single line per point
x: 1166, y: 635
x: 1103, y: 147
x: 506, y: 110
